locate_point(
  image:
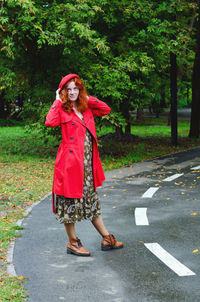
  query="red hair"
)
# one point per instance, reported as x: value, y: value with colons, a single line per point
x: 81, y: 102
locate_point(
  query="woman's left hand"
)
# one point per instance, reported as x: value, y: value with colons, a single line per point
x: 58, y: 95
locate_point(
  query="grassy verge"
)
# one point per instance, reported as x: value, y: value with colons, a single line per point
x: 27, y: 171
x: 23, y: 182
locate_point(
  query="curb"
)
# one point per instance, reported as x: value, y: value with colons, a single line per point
x: 10, y: 265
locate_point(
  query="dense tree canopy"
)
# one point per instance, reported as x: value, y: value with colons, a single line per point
x: 121, y: 49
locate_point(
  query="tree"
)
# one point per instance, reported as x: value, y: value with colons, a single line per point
x: 195, y: 114
x: 120, y: 49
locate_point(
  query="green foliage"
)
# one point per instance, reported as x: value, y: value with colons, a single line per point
x: 120, y: 49
x: 113, y: 120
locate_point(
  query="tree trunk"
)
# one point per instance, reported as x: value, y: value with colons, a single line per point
x: 124, y: 108
x: 195, y: 113
x: 8, y: 110
x: 140, y: 114
x: 173, y: 89
x: 128, y: 128
x: 119, y: 131
x: 162, y: 93
x: 188, y: 93
x: 3, y: 113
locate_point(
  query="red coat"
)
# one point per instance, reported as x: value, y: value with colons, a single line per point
x: 69, y: 169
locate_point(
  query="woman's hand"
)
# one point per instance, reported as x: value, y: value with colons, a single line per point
x: 58, y: 95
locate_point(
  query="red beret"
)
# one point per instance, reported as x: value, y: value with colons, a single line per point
x: 66, y: 79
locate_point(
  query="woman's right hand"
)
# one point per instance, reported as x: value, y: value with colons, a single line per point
x: 58, y: 95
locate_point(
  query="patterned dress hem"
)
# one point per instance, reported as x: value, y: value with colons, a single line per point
x: 77, y: 219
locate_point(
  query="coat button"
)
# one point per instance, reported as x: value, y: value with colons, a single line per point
x: 96, y: 100
x: 70, y: 151
x: 72, y: 124
x: 53, y: 106
x: 71, y: 137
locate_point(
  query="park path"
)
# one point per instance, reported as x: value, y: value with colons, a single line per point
x: 140, y: 207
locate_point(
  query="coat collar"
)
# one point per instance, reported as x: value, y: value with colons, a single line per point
x: 87, y: 116
x: 67, y: 117
x: 77, y: 119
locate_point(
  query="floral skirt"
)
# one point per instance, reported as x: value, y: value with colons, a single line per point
x: 70, y: 210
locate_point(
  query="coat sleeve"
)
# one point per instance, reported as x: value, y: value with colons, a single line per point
x: 53, y: 116
x: 98, y: 107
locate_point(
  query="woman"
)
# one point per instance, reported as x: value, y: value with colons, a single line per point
x: 78, y: 170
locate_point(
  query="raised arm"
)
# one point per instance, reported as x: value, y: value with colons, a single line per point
x: 53, y: 116
x: 98, y: 107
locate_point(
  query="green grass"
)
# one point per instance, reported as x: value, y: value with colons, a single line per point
x: 152, y: 127
x: 26, y: 173
x: 12, y: 289
x: 160, y: 129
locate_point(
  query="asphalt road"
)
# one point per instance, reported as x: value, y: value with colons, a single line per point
x: 133, y: 273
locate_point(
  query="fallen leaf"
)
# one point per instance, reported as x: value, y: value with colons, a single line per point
x: 20, y: 278
x: 114, y: 207
x: 104, y: 195
x: 195, y: 251
x: 193, y: 214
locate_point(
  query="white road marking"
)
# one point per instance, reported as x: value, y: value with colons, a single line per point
x: 141, y: 216
x: 170, y: 178
x: 179, y: 268
x: 59, y: 265
x: 196, y: 168
x: 149, y: 193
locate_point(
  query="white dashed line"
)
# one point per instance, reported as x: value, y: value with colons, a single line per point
x: 141, y: 216
x: 179, y: 268
x: 170, y: 178
x: 196, y: 168
x: 149, y: 193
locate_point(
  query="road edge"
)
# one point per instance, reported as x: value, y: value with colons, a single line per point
x: 10, y: 253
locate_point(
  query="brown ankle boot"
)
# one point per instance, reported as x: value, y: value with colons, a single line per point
x: 75, y: 247
x: 109, y: 242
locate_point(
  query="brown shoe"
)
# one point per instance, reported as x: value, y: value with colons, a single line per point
x: 109, y: 242
x: 75, y: 247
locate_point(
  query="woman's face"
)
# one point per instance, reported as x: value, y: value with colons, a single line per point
x: 72, y: 92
